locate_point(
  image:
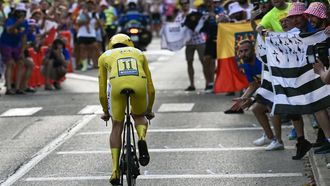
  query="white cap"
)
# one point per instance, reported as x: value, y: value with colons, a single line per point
x: 234, y: 8
x: 20, y: 7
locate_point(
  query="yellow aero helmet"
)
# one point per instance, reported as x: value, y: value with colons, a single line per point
x: 120, y: 39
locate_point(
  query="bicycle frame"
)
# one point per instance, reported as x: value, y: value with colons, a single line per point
x: 128, y: 162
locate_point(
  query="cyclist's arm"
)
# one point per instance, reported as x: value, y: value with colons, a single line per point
x: 103, y: 84
x: 151, y: 88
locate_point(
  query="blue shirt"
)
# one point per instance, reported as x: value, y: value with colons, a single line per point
x: 66, y: 54
x: 252, y: 72
x: 13, y: 40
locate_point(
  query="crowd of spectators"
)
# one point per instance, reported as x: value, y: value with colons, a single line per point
x: 265, y: 16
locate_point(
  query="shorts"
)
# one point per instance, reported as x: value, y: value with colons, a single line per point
x: 86, y: 40
x: 190, y: 51
x: 117, y: 102
x: 8, y: 53
x: 211, y: 49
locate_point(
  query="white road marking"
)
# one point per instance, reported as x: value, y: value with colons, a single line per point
x: 20, y: 112
x: 47, y: 150
x: 176, y: 107
x: 221, y: 146
x: 91, y: 109
x: 210, y: 172
x: 174, y: 176
x: 185, y: 130
x: 176, y: 150
x: 81, y: 77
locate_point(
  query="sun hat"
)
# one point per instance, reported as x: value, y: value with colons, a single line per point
x: 317, y: 9
x: 234, y: 8
x: 104, y: 3
x: 20, y: 7
x: 297, y: 8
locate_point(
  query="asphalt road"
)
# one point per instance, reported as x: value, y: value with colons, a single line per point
x: 58, y: 138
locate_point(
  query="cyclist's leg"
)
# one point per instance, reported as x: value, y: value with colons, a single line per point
x: 116, y: 105
x: 139, y: 107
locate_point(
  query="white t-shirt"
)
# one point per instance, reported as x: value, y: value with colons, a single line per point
x: 82, y: 31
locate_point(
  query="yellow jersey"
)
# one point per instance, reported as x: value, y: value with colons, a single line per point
x: 125, y: 67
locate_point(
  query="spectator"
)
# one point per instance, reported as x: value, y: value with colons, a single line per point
x: 2, y: 21
x: 196, y: 43
x: 111, y: 15
x: 211, y: 30
x: 317, y: 15
x: 271, y: 21
x: 247, y: 7
x: 236, y: 13
x: 156, y: 17
x: 261, y: 8
x: 252, y: 69
x: 12, y: 44
x: 55, y: 64
x: 87, y: 22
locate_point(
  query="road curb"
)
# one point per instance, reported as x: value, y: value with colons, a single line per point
x: 318, y: 161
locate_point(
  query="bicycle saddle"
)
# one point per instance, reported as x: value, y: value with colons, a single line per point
x: 127, y: 91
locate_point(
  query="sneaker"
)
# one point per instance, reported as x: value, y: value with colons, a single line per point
x: 324, y: 149
x: 302, y: 148
x: 84, y: 65
x: 275, y: 145
x: 209, y: 88
x: 115, y: 178
x: 263, y: 140
x: 143, y: 153
x: 229, y: 111
x: 30, y: 90
x: 190, y: 88
x: 293, y: 134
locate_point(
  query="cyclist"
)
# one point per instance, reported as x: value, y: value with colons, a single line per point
x: 127, y: 68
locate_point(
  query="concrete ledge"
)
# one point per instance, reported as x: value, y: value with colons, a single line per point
x: 318, y: 161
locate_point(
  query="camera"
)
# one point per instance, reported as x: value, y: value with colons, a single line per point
x: 320, y: 51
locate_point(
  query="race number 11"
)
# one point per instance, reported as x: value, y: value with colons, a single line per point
x: 127, y: 67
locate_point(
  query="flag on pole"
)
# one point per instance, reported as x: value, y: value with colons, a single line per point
x: 228, y: 76
x: 298, y: 90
